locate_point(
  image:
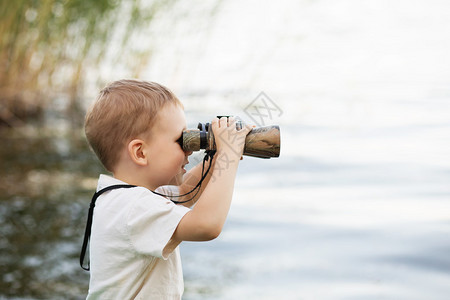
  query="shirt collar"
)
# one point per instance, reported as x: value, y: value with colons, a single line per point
x: 106, y: 180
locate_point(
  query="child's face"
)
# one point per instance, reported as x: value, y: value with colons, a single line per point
x: 167, y: 158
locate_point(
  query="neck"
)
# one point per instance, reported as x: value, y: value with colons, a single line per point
x: 133, y: 175
x: 133, y: 180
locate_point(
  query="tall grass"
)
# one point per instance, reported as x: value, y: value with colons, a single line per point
x: 45, y: 46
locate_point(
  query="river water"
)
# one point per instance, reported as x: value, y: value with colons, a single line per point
x: 358, y: 204
x: 356, y: 207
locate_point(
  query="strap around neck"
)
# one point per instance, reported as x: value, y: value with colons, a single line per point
x: 87, y: 233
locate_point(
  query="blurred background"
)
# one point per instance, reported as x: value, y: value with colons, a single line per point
x: 356, y: 207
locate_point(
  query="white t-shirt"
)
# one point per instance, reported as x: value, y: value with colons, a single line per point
x: 131, y: 227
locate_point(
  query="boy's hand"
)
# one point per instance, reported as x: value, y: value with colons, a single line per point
x: 227, y: 138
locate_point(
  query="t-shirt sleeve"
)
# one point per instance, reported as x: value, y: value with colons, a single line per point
x: 151, y: 223
x: 169, y: 190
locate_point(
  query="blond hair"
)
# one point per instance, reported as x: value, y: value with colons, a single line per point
x: 123, y: 110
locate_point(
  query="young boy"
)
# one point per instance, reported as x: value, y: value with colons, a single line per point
x: 134, y: 128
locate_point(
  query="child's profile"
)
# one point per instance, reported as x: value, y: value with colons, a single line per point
x: 134, y: 128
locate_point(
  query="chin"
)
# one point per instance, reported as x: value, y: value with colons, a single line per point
x: 177, y: 180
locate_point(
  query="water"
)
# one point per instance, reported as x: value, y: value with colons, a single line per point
x: 358, y: 204
x: 45, y: 189
x: 361, y: 217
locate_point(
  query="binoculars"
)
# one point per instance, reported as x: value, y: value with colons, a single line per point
x: 261, y: 142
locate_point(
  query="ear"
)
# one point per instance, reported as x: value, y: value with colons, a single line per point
x: 137, y: 152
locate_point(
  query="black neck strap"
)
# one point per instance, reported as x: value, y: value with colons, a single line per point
x: 87, y: 233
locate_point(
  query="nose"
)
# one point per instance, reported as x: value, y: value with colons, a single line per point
x: 188, y: 153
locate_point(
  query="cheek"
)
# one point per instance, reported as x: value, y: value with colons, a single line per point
x: 179, y: 155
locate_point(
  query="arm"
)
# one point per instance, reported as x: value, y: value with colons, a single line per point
x: 206, y: 219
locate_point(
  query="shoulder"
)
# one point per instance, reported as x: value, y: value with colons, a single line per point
x: 144, y: 202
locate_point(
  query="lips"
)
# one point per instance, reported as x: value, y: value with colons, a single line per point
x: 182, y: 166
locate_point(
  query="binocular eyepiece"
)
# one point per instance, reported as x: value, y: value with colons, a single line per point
x: 262, y: 142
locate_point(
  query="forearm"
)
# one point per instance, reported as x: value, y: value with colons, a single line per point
x: 205, y: 221
x: 214, y: 203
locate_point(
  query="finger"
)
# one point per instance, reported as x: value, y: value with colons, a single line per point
x: 232, y: 122
x: 214, y: 123
x: 223, y: 122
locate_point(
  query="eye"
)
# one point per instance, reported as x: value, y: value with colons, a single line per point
x: 180, y: 141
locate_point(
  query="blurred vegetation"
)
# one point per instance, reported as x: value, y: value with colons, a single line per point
x: 45, y: 46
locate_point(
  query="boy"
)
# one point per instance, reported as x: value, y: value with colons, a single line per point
x: 134, y: 128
